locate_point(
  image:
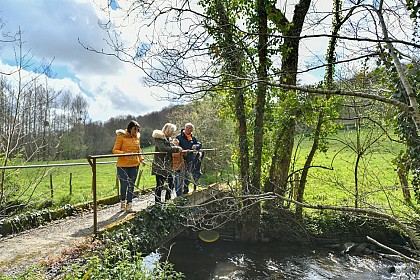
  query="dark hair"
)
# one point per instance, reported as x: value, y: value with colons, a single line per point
x: 131, y: 124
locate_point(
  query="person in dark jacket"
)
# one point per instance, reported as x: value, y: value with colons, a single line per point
x: 162, y: 162
x: 193, y: 158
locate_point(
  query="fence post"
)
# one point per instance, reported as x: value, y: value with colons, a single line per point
x: 95, y: 204
x: 71, y: 187
x: 51, y: 186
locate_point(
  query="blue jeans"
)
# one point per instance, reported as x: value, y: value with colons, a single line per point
x: 177, y: 182
x: 127, y: 176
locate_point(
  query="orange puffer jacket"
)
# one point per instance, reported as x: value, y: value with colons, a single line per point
x: 125, y: 144
x: 178, y: 161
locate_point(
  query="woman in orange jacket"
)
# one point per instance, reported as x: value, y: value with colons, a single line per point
x: 178, y: 166
x: 128, y: 141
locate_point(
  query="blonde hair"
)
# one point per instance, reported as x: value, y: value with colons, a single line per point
x: 169, y: 129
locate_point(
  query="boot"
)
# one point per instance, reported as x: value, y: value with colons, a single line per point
x: 122, y: 208
x: 129, y: 208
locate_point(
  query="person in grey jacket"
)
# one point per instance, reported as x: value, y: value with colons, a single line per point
x: 162, y: 161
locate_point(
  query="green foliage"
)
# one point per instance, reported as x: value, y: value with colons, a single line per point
x: 332, y: 224
x: 72, y: 145
x: 413, y: 6
x: 120, y: 255
x: 406, y: 128
x: 408, y: 160
x: 134, y: 268
x: 150, y: 226
x: 29, y: 274
x: 212, y: 129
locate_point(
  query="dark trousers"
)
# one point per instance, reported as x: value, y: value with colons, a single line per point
x: 160, y: 186
x: 127, y: 176
x: 193, y: 169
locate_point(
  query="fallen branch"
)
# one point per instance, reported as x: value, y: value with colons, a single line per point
x: 391, y: 250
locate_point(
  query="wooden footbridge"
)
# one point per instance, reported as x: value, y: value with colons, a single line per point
x: 197, y: 198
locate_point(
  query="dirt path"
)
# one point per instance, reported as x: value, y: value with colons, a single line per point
x: 22, y: 250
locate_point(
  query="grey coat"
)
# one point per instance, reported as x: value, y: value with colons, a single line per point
x: 162, y: 162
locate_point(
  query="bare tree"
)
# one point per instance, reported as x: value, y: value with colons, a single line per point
x: 26, y: 124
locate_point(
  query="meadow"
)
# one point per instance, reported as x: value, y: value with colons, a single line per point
x: 331, y: 178
x: 72, y: 184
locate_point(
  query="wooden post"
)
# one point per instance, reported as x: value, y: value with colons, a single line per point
x: 51, y: 186
x: 71, y: 186
x: 95, y: 204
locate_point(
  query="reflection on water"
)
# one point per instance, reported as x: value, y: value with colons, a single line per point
x: 228, y: 260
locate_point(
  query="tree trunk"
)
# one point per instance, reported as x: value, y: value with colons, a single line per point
x: 302, y: 183
x: 251, y: 221
x: 402, y: 176
x: 289, y: 71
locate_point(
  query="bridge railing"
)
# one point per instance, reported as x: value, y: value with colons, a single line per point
x: 92, y: 159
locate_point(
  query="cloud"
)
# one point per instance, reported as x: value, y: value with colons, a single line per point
x: 52, y: 31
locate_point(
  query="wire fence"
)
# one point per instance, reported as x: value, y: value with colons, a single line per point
x: 93, y: 162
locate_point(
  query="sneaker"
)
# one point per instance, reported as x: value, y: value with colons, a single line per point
x: 129, y: 208
x: 122, y: 206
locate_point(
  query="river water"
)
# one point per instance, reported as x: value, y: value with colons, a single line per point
x: 228, y: 260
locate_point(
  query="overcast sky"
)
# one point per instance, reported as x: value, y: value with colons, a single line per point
x: 51, y: 30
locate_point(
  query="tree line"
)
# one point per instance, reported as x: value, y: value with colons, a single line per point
x: 40, y: 123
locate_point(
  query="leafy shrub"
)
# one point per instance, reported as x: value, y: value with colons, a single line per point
x: 125, y: 268
x: 120, y: 254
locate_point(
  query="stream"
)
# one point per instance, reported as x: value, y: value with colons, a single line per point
x: 228, y: 260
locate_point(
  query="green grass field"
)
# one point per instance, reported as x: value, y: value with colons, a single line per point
x: 331, y: 180
x: 35, y: 183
